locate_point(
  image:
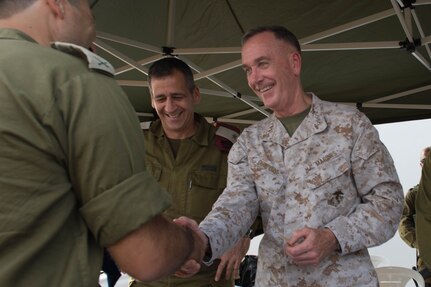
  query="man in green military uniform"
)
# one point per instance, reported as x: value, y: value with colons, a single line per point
x: 187, y: 156
x: 71, y: 157
x: 407, y: 227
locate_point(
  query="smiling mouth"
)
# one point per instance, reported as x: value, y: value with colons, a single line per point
x: 264, y: 89
x: 173, y: 116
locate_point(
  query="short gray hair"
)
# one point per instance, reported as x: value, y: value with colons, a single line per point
x: 279, y: 32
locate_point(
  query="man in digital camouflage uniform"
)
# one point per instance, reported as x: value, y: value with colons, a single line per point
x: 188, y: 156
x: 407, y: 227
x: 423, y: 217
x: 71, y: 156
x: 325, y: 185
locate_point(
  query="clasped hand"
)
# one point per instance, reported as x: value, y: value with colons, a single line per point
x: 229, y: 260
x: 309, y: 246
x: 192, y: 265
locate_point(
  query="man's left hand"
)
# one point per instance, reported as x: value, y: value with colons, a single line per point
x: 231, y: 260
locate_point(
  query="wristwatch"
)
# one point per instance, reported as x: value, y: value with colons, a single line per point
x: 250, y: 233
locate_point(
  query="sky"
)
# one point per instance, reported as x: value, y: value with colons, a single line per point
x: 404, y: 141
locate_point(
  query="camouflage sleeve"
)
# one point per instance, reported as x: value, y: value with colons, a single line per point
x: 406, y: 228
x: 375, y: 219
x: 236, y: 208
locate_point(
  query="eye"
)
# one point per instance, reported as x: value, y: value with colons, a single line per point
x: 263, y: 64
x: 177, y: 97
x: 247, y: 70
x: 159, y: 99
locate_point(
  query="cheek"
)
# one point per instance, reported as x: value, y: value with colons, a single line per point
x: 249, y: 81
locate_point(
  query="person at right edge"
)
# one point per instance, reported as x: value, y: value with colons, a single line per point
x: 325, y: 185
x: 407, y: 228
x: 423, y: 217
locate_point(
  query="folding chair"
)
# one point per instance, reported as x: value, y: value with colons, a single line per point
x: 394, y: 276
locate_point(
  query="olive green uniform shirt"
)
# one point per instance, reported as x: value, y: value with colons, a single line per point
x: 407, y: 227
x: 71, y: 167
x: 423, y: 213
x: 195, y: 178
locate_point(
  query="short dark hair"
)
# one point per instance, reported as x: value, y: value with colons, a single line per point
x: 166, y: 67
x: 279, y: 32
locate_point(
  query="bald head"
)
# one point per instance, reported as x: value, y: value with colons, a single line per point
x: 10, y: 7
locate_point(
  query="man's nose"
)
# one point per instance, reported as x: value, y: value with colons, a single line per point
x: 254, y: 76
x: 170, y: 104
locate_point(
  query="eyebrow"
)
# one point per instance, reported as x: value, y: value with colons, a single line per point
x: 257, y: 61
x: 171, y: 94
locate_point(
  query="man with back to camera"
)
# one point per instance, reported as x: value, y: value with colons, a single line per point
x: 70, y: 157
x: 407, y: 227
x: 188, y: 156
x: 325, y: 185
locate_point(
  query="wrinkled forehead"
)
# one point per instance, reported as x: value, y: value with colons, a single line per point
x: 263, y: 45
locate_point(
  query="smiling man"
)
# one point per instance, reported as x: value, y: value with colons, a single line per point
x: 188, y: 156
x: 324, y: 183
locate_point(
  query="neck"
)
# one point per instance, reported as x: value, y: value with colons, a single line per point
x: 297, y: 104
x: 181, y: 135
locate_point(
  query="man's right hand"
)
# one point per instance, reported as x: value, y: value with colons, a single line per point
x: 192, y: 266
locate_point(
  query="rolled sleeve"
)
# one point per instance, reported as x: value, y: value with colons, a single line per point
x: 124, y: 208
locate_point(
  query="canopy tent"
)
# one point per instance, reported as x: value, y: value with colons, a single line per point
x: 372, y: 54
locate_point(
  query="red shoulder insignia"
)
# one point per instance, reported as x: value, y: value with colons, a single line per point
x: 226, y: 135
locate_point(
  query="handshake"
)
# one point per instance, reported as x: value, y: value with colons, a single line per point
x: 201, y: 253
x: 199, y: 249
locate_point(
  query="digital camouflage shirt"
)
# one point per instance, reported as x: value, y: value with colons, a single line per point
x: 333, y: 172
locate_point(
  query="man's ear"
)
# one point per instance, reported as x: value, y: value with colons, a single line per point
x: 57, y: 7
x: 152, y: 100
x: 196, y: 95
x: 296, y: 62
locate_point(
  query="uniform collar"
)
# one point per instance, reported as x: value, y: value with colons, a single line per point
x: 313, y: 123
x: 201, y: 137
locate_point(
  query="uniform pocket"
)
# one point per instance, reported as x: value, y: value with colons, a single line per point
x: 328, y: 189
x: 326, y: 172
x: 155, y: 170
x: 267, y: 177
x: 204, y: 189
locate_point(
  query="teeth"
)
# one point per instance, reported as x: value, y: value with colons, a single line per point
x: 264, y: 89
x: 172, y: 116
